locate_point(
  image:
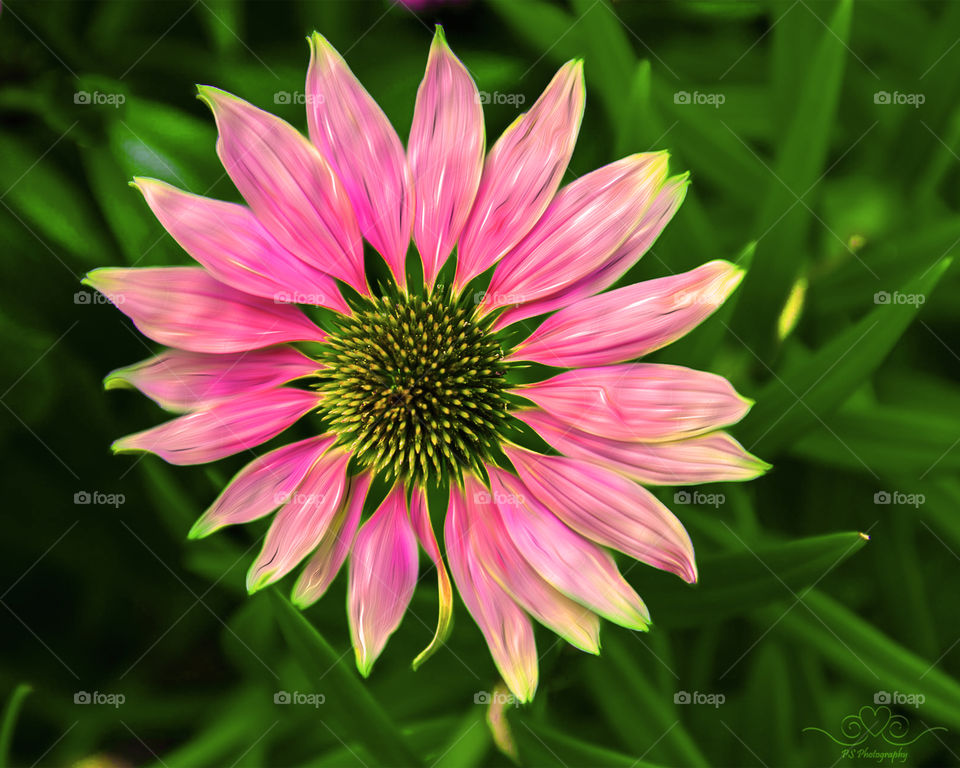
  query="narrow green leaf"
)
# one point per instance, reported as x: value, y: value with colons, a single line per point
x: 608, y: 51
x: 359, y: 713
x: 794, y: 402
x: 858, y: 649
x: 544, y: 26
x: 10, y: 713
x: 733, y: 583
x: 783, y: 224
x: 540, y: 745
x: 468, y: 744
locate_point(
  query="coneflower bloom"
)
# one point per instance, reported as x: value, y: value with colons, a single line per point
x: 420, y: 384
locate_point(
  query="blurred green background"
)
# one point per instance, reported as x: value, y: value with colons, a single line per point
x: 822, y: 139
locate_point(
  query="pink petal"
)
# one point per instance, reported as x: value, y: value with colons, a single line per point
x: 234, y: 246
x: 423, y: 527
x: 292, y: 190
x: 580, y: 231
x: 710, y: 458
x: 495, y: 549
x: 522, y: 173
x: 354, y: 135
x: 655, y: 218
x: 446, y: 154
x: 607, y: 508
x: 222, y: 429
x: 334, y: 547
x: 186, y: 308
x: 180, y: 381
x: 383, y: 574
x: 505, y: 626
x: 640, y: 401
x: 577, y: 567
x: 262, y: 486
x: 630, y: 322
x: 300, y: 526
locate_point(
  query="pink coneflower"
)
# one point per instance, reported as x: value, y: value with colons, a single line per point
x: 418, y: 387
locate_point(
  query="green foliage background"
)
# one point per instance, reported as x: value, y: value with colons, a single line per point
x: 802, y: 172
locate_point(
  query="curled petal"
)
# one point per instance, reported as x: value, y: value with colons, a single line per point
x: 641, y: 401
x: 181, y: 381
x: 334, y: 547
x: 292, y: 190
x: 630, y: 322
x: 609, y: 509
x: 383, y: 574
x: 580, y: 230
x: 503, y: 560
x: 507, y: 629
x: 655, y: 218
x: 300, y: 526
x: 222, y: 429
x: 423, y: 527
x: 354, y: 135
x: 186, y: 308
x: 236, y: 248
x: 446, y: 154
x: 710, y: 458
x: 261, y: 486
x: 577, y: 567
x: 521, y: 174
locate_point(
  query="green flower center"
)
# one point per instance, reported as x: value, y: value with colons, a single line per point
x: 414, y: 386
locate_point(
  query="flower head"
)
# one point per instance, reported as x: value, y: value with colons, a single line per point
x: 412, y: 373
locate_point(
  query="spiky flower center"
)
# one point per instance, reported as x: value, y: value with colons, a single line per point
x: 414, y: 386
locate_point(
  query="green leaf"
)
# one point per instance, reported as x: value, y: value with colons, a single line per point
x: 468, y: 744
x: 10, y: 714
x: 862, y: 439
x: 608, y: 52
x: 797, y: 400
x: 733, y: 583
x: 858, y: 649
x: 358, y: 711
x: 540, y: 745
x: 783, y: 224
x: 544, y: 26
x: 48, y: 203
